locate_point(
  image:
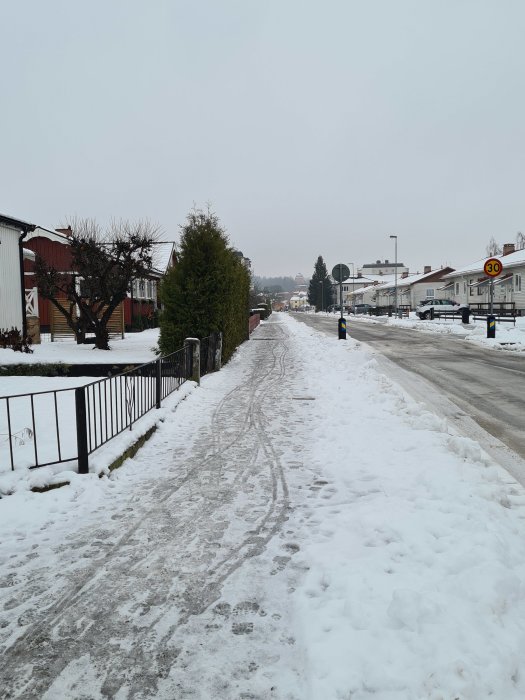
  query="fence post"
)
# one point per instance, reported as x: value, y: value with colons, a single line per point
x: 158, y: 382
x: 195, y: 345
x: 81, y: 415
x: 218, y: 351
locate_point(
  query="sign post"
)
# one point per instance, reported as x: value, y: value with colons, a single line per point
x: 492, y: 269
x: 341, y: 272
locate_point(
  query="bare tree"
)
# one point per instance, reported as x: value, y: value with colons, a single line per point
x: 493, y: 248
x: 103, y: 265
x: 520, y: 241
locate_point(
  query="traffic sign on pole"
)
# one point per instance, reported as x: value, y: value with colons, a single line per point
x: 340, y: 272
x: 493, y: 267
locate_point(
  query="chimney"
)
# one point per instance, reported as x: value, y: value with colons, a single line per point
x: 508, y: 248
x: 404, y: 274
x: 427, y: 269
x: 64, y: 231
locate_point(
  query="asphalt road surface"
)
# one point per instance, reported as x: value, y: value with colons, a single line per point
x: 485, y: 385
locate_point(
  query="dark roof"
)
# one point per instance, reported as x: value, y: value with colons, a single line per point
x: 16, y: 223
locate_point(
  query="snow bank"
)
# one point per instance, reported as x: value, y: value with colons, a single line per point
x: 509, y: 337
x: 414, y: 545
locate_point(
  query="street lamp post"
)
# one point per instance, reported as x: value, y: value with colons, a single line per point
x: 322, y: 294
x: 353, y: 287
x: 395, y: 276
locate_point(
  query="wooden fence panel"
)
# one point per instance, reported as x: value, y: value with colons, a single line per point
x: 60, y: 329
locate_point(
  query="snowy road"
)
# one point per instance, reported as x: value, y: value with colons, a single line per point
x: 485, y: 384
x: 299, y: 528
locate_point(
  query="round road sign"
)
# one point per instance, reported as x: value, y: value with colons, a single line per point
x: 493, y: 267
x: 340, y: 272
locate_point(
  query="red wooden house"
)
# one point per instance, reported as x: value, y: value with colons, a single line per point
x: 142, y: 302
x: 53, y: 247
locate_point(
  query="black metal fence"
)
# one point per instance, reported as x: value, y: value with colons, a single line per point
x: 109, y: 406
x: 64, y: 425
x: 35, y: 429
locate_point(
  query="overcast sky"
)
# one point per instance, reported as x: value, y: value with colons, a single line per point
x: 311, y: 127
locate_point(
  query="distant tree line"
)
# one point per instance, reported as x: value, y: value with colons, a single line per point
x: 274, y: 285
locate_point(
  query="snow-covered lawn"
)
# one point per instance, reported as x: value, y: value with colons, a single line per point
x: 298, y: 528
x: 133, y: 348
x: 52, y: 435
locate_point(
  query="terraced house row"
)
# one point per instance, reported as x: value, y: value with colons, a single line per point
x: 375, y: 284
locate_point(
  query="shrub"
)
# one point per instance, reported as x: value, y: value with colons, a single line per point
x: 207, y: 291
x: 14, y: 340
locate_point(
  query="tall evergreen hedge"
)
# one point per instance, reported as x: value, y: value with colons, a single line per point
x: 207, y: 290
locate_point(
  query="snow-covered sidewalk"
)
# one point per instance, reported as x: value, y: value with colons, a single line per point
x: 298, y: 528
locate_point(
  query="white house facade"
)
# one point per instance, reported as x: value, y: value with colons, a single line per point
x: 373, y: 292
x: 352, y: 287
x: 299, y: 301
x: 470, y: 285
x: 414, y: 289
x: 12, y: 294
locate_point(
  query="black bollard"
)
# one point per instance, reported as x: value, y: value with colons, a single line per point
x: 491, y: 326
x: 341, y: 327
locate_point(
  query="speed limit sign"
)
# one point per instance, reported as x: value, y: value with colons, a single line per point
x: 493, y: 267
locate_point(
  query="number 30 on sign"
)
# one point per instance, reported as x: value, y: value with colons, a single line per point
x: 493, y: 267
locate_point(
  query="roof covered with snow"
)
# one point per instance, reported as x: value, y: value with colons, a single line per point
x: 415, y: 278
x: 163, y: 253
x: 364, y: 280
x: 16, y: 223
x: 43, y: 232
x: 511, y: 260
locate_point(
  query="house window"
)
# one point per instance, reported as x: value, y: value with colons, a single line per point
x: 517, y: 283
x: 457, y: 288
x: 471, y: 290
x: 464, y: 287
x: 141, y: 289
x: 430, y: 293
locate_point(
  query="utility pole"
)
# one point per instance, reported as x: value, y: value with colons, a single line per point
x: 395, y: 276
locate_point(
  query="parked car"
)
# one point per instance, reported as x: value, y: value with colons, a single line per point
x: 363, y: 308
x: 440, y: 306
